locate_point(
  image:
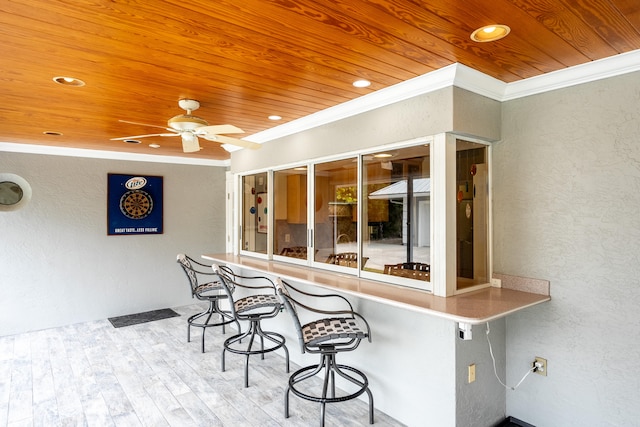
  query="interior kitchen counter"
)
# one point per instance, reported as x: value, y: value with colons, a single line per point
x: 473, y: 307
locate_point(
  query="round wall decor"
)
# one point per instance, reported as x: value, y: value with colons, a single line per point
x: 15, y: 192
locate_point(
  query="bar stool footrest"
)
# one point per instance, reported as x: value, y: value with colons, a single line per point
x: 362, y: 382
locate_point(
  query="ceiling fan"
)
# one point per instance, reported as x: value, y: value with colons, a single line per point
x: 190, y: 127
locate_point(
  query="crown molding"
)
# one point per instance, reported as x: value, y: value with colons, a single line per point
x: 477, y: 82
x: 584, y: 73
x: 107, y: 155
x: 463, y: 77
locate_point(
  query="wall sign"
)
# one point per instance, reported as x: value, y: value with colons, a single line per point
x: 134, y: 204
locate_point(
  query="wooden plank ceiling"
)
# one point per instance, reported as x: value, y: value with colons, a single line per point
x: 246, y: 60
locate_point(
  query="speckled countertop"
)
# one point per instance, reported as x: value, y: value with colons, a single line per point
x: 473, y: 307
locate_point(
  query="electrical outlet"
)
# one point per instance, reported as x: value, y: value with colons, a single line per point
x: 542, y: 370
x: 496, y: 283
x: 472, y: 373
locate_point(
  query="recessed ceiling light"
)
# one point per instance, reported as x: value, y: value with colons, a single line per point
x: 131, y: 141
x: 275, y: 117
x: 490, y: 33
x: 382, y: 155
x: 362, y: 83
x: 154, y: 145
x: 68, y: 81
x: 52, y: 133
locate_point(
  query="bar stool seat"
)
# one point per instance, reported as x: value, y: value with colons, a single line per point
x: 210, y: 291
x: 252, y: 308
x: 342, y: 331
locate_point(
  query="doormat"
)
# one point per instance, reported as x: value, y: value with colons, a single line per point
x: 514, y: 422
x: 148, y: 316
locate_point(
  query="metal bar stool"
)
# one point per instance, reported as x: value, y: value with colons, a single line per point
x: 342, y: 331
x: 210, y: 291
x: 253, y: 308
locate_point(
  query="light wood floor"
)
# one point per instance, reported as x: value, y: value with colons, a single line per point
x: 91, y: 374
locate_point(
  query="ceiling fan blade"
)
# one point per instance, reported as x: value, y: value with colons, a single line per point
x: 145, y: 124
x: 235, y: 141
x: 218, y: 129
x: 190, y: 143
x: 144, y: 136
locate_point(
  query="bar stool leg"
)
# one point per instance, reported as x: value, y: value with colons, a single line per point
x: 322, y: 413
x: 206, y: 322
x: 286, y: 402
x: 331, y: 368
x: 370, y: 406
x: 253, y: 331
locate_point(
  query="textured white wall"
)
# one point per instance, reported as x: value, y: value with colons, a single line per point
x: 482, y: 402
x: 57, y: 264
x: 566, y: 197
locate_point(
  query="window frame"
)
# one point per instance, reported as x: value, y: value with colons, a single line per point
x: 442, y: 153
x: 312, y: 219
x: 283, y: 258
x: 239, y: 209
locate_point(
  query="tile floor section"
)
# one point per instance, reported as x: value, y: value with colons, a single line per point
x: 92, y: 374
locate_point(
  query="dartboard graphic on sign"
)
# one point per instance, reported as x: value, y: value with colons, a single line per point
x: 136, y: 204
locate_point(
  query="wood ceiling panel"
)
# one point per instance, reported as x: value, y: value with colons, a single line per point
x: 320, y: 38
x: 630, y: 10
x: 524, y: 52
x: 607, y: 22
x: 245, y: 60
x: 559, y: 19
x: 131, y: 75
x: 371, y: 28
x: 443, y: 35
x: 528, y: 37
x: 169, y: 56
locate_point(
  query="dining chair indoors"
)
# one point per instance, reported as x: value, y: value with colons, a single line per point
x: 205, y: 286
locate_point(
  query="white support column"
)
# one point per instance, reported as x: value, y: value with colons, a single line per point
x: 271, y: 227
x: 229, y: 212
x: 443, y: 208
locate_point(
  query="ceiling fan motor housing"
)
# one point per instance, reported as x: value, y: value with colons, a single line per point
x: 186, y: 122
x: 183, y: 122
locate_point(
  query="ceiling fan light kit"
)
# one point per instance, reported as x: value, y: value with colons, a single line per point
x: 190, y: 127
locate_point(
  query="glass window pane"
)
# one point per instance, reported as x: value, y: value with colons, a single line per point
x: 336, y: 213
x: 472, y: 220
x: 290, y: 213
x: 254, y: 210
x: 396, y: 217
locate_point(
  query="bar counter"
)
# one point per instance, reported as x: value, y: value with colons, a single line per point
x: 473, y: 308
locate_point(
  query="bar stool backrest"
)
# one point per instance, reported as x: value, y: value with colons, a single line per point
x: 290, y: 306
x: 227, y: 283
x: 187, y: 265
